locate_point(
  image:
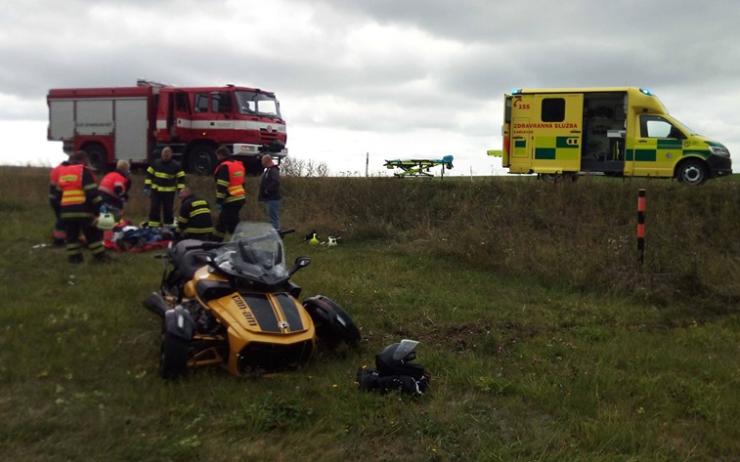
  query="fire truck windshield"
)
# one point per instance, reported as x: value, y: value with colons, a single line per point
x: 257, y: 103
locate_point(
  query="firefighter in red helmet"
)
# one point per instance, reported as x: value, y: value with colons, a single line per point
x: 230, y: 192
x: 79, y: 203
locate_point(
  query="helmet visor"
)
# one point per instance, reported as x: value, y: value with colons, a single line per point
x: 405, y: 349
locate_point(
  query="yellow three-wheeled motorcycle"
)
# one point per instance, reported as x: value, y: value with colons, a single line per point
x: 233, y: 304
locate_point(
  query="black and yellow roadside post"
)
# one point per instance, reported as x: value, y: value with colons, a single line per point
x: 641, y: 203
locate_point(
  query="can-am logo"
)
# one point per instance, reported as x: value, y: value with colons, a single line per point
x: 284, y: 325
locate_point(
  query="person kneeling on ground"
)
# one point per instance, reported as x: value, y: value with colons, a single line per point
x: 79, y: 202
x: 194, y: 220
x: 114, y: 188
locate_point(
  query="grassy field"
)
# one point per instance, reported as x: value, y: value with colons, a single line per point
x: 544, y: 339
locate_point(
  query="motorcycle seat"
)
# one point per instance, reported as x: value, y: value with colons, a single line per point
x: 187, y: 261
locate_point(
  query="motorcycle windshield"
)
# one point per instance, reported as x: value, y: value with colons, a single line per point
x: 254, y: 252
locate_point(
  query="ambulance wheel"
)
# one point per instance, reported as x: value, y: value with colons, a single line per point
x: 201, y: 159
x: 332, y: 323
x: 692, y: 172
x: 173, y: 357
x: 557, y: 177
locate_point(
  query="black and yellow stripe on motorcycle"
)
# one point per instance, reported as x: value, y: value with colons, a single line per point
x: 272, y: 312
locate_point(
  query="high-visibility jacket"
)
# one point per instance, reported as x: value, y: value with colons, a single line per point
x: 230, y: 176
x: 114, y: 186
x: 195, y: 216
x: 164, y: 176
x: 77, y: 194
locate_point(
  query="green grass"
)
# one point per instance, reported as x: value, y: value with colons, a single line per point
x: 524, y: 367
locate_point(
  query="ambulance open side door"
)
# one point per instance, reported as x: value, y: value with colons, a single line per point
x: 557, y: 132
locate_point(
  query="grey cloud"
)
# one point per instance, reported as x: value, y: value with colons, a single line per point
x: 573, y: 44
x: 538, y: 20
x: 660, y: 44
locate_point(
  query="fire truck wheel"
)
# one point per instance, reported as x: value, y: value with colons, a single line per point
x: 692, y: 172
x: 201, y: 159
x: 97, y: 157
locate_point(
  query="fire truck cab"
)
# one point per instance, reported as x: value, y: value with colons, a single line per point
x: 135, y: 123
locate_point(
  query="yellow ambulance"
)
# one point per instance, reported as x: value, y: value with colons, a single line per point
x: 621, y: 131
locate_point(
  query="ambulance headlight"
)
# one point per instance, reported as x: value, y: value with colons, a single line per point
x: 720, y: 151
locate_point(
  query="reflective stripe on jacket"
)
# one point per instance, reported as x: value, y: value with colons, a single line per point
x: 70, y: 183
x: 164, y: 176
x: 195, y: 216
x: 78, y: 196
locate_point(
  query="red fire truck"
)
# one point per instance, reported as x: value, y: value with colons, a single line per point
x: 135, y: 123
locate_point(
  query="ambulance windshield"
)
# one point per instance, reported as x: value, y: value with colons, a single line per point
x: 683, y: 127
x: 257, y: 103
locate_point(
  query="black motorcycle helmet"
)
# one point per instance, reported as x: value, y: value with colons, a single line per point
x: 396, y: 359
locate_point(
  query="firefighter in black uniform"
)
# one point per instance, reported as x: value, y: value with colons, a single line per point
x: 164, y: 177
x: 79, y: 203
x: 194, y: 220
x: 230, y: 192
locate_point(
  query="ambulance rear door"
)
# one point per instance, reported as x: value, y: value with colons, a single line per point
x: 521, y: 133
x: 506, y: 133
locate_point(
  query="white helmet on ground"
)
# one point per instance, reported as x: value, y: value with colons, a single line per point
x: 106, y: 221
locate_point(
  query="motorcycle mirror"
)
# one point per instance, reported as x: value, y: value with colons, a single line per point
x: 300, y: 262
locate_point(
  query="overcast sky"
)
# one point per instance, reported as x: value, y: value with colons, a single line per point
x: 393, y: 78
